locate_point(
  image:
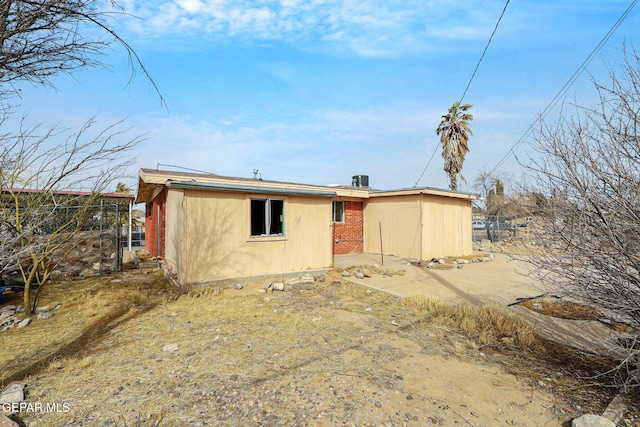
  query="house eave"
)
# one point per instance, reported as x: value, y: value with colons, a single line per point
x: 253, y: 189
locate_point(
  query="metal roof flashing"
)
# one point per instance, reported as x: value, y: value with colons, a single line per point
x: 236, y: 188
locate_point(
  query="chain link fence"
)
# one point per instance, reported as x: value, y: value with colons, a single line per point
x: 498, y: 228
x: 91, y: 236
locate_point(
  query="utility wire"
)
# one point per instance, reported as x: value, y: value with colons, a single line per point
x: 485, y: 50
x: 568, y: 84
x: 428, y: 163
x: 504, y: 9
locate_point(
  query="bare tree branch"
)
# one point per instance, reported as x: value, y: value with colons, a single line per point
x: 588, y: 171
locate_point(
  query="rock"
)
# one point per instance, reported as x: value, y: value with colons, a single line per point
x: 13, y: 393
x: 9, y: 323
x: 485, y: 259
x: 170, y: 348
x: 590, y: 420
x: 454, y: 262
x: 41, y: 309
x: 5, y: 314
x: 459, y: 266
x: 8, y: 308
x: 278, y: 286
x: 616, y: 409
x: 267, y: 286
x: 320, y: 278
x: 431, y: 265
x: 88, y: 272
x: 366, y: 272
x: 358, y: 273
x: 346, y: 274
x: 238, y: 286
x: 308, y: 278
x: 294, y: 281
x: 441, y: 261
x: 7, y: 422
x: 23, y: 323
x: 44, y: 315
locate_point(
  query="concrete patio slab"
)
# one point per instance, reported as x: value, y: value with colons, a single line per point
x: 500, y: 281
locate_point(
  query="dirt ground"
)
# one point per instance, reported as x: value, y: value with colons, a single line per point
x: 324, y: 354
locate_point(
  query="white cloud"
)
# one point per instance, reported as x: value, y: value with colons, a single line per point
x: 367, y: 27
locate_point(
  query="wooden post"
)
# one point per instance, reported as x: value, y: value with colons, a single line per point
x: 381, y: 252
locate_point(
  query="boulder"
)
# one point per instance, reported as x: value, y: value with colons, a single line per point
x: 7, y: 422
x: 590, y: 420
x: 277, y: 286
x: 14, y: 393
x: 44, y: 315
x: 23, y: 323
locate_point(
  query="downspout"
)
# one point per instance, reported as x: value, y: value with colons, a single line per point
x: 130, y: 223
x: 421, y: 201
x: 158, y: 253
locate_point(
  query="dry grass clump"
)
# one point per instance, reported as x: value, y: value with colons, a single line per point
x: 489, y: 324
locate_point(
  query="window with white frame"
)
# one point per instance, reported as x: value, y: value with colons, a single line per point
x: 267, y: 217
x: 338, y: 211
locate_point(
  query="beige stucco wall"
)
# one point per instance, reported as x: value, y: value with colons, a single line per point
x: 447, y: 229
x: 217, y: 244
x: 399, y: 219
x: 418, y: 226
x: 174, y: 229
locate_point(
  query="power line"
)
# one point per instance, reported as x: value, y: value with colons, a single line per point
x: 569, y: 83
x: 425, y: 168
x: 484, y: 51
x: 469, y: 83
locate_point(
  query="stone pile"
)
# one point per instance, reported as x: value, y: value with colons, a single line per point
x: 8, y: 320
x: 90, y: 255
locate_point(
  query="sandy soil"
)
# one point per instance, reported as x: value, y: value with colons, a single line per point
x: 317, y: 355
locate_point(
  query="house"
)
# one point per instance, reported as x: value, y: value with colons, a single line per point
x: 209, y: 228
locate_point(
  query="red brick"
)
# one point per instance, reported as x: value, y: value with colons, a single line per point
x: 348, y: 235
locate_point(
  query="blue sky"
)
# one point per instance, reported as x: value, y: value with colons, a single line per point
x: 316, y: 91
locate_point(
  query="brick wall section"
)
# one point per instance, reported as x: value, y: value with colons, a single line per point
x: 151, y: 225
x: 347, y: 236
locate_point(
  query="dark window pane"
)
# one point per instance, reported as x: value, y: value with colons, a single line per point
x: 258, y: 218
x: 338, y: 211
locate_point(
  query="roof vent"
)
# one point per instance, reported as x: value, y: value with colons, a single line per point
x: 360, y: 181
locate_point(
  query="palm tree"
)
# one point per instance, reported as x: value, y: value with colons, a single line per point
x: 121, y: 187
x: 454, y: 134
